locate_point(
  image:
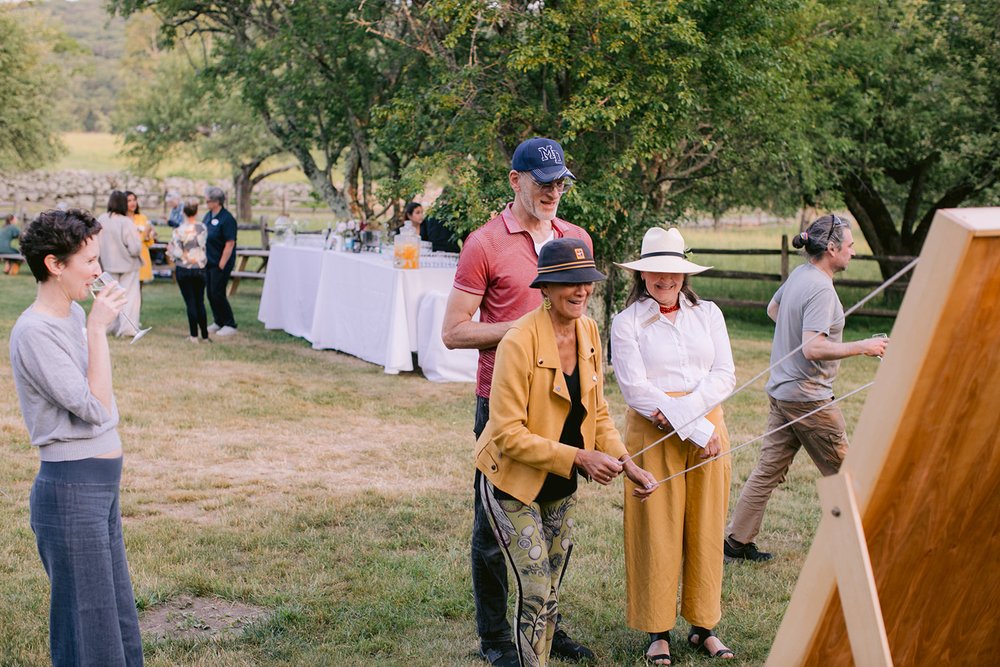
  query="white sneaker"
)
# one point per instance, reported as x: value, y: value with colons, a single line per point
x: 192, y: 339
x: 226, y: 331
x: 213, y: 327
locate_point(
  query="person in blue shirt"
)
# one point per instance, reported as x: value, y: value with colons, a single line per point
x: 8, y: 233
x: 220, y: 252
x: 176, y: 217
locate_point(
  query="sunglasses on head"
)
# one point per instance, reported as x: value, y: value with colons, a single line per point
x: 834, y: 223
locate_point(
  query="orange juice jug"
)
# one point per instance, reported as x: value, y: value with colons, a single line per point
x: 406, y: 248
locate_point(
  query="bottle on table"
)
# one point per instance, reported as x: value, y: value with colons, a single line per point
x: 406, y: 248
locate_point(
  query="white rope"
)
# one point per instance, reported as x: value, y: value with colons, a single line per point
x: 878, y: 290
x: 764, y: 435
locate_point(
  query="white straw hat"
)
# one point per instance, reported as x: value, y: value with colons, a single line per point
x: 663, y: 252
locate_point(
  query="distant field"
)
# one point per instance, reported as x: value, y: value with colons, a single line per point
x: 102, y: 152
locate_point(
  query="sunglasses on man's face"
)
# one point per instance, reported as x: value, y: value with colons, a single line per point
x: 560, y: 185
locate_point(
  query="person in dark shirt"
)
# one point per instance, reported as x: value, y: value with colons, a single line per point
x: 8, y: 233
x: 220, y: 252
x: 430, y: 229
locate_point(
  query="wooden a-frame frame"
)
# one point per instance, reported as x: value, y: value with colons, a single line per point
x: 905, y: 566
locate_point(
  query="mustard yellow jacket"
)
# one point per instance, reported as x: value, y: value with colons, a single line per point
x: 529, y: 404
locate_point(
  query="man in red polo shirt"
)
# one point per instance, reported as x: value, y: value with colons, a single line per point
x: 498, y: 262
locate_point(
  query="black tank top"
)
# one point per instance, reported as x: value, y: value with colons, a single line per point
x: 557, y: 486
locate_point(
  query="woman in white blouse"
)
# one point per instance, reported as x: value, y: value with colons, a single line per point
x: 673, y: 362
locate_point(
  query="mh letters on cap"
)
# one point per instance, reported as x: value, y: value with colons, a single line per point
x: 549, y: 153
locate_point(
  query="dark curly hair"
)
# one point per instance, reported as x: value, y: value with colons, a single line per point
x: 57, y: 233
x: 820, y: 233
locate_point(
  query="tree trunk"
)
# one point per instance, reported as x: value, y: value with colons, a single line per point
x: 318, y: 178
x: 320, y: 181
x: 352, y: 165
x: 243, y: 187
x: 875, y: 220
x: 611, y: 271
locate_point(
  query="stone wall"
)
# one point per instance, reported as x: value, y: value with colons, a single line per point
x: 36, y: 190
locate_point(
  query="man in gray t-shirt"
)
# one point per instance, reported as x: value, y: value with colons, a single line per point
x: 807, y: 314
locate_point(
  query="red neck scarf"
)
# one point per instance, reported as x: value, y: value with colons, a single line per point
x: 666, y: 310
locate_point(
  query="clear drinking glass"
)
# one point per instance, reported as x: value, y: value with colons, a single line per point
x: 880, y: 335
x: 101, y: 283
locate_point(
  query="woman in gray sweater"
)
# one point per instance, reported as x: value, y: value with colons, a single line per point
x: 62, y: 372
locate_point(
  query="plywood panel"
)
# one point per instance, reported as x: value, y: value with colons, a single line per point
x: 926, y: 463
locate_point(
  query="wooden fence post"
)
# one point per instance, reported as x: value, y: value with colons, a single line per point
x: 784, y: 257
x: 265, y: 241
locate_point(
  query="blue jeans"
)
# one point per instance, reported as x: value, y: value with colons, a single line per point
x: 78, y: 528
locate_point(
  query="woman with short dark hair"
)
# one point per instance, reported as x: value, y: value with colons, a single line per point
x: 62, y: 372
x: 121, y: 256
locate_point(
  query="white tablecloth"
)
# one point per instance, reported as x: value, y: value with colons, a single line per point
x: 288, y: 299
x: 361, y: 305
x: 438, y: 362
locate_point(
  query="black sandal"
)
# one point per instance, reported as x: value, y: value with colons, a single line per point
x: 651, y: 659
x: 697, y: 638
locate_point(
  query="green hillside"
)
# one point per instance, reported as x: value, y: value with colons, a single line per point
x: 86, y: 46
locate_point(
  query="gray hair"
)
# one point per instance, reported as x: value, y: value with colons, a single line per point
x: 216, y: 194
x: 173, y: 196
x: 823, y: 231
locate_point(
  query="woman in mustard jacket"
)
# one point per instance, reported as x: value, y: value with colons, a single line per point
x: 548, y: 420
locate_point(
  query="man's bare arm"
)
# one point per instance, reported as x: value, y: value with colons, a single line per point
x: 459, y: 331
x: 820, y: 348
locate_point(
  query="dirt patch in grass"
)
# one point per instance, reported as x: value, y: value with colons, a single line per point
x: 193, y: 618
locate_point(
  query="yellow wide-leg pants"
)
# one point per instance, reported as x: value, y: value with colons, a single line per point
x: 681, y: 526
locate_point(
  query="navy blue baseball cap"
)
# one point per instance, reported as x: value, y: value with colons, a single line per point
x: 543, y: 158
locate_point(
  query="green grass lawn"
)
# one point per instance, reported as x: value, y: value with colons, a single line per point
x: 311, y: 483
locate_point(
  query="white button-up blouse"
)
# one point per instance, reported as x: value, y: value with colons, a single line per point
x: 652, y: 355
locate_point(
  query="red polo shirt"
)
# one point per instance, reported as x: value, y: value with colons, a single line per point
x: 498, y: 262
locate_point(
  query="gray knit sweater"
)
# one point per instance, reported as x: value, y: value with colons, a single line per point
x: 119, y: 241
x: 49, y: 358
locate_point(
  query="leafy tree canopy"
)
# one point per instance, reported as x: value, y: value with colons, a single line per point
x: 30, y: 88
x: 908, y: 113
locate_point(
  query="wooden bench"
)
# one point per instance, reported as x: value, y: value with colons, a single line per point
x: 12, y: 256
x: 243, y: 255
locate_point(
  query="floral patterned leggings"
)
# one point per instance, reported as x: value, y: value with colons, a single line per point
x: 536, y: 540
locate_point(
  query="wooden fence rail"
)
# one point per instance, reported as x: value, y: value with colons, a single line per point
x: 784, y: 253
x: 244, y: 253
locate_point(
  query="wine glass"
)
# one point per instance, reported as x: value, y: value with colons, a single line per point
x: 103, y: 281
x: 880, y: 335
